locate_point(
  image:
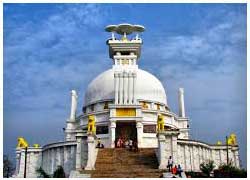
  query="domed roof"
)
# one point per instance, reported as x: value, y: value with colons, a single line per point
x: 148, y: 87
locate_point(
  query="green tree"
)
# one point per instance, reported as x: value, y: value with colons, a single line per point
x: 207, y: 167
x: 8, y: 167
x: 59, y: 172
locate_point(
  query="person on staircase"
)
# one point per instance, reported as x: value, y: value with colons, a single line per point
x: 130, y: 143
x: 135, y: 145
x: 174, y: 170
x: 98, y: 143
x: 179, y: 170
x: 170, y: 163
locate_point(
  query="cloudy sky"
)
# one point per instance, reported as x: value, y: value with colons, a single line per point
x: 50, y: 49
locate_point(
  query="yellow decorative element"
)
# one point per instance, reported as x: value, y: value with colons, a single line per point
x: 219, y: 143
x: 158, y: 106
x: 144, y: 105
x: 125, y: 61
x: 22, y: 143
x: 36, y: 145
x: 160, y: 123
x: 121, y: 112
x: 232, y: 139
x: 124, y: 38
x: 91, y: 124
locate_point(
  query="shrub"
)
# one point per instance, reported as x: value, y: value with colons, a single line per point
x: 207, y: 167
x: 42, y: 173
x: 230, y: 171
x: 59, y: 173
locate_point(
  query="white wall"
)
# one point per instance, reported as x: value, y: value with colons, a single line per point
x: 63, y: 154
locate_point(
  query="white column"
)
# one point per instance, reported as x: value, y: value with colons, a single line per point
x: 116, y: 87
x: 130, y: 84
x: 174, y: 149
x: 65, y: 158
x: 200, y: 155
x: 112, y: 133
x: 221, y: 156
x: 78, y: 152
x: 181, y: 103
x: 237, y: 161
x: 53, y: 160
x: 91, y: 153
x: 187, y: 158
x: 45, y: 166
x: 161, y: 151
x: 120, y: 88
x: 18, y: 158
x: 134, y: 88
x: 73, y: 105
x: 125, y: 88
x: 22, y: 162
x: 192, y: 157
x: 139, y: 127
x: 58, y: 153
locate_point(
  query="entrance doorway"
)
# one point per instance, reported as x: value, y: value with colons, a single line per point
x: 125, y: 131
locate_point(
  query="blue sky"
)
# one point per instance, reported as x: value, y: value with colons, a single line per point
x: 50, y: 49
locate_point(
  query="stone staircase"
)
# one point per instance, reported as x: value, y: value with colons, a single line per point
x: 122, y: 163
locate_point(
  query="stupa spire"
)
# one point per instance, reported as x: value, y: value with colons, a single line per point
x: 122, y: 50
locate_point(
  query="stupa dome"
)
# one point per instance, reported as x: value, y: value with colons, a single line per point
x: 148, y: 88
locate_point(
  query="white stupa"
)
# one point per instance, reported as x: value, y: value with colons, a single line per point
x: 125, y: 103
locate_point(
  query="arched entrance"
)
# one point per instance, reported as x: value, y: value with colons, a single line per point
x: 125, y: 131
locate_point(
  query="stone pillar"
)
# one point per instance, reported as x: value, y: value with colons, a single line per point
x: 181, y: 103
x: 21, y: 164
x: 79, y: 145
x: 237, y: 159
x: 130, y: 86
x: 187, y: 158
x: 116, y: 87
x: 52, y: 160
x: 222, y: 157
x: 161, y: 151
x: 174, y: 149
x: 134, y: 88
x: 125, y: 88
x: 73, y: 105
x: 66, y: 158
x: 139, y: 127
x: 167, y: 142
x: 91, y: 152
x: 120, y: 89
x: 199, y: 154
x: 112, y: 133
x: 18, y: 159
x: 230, y: 154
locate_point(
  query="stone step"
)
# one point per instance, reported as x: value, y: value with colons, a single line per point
x: 124, y: 163
x: 119, y: 166
x: 128, y: 175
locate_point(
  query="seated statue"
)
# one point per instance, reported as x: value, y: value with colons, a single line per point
x: 160, y: 123
x: 144, y: 105
x: 219, y: 143
x: 91, y: 124
x: 22, y: 143
x: 36, y: 145
x: 232, y: 139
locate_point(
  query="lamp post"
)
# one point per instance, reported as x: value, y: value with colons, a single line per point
x: 227, y: 148
x: 25, y: 161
